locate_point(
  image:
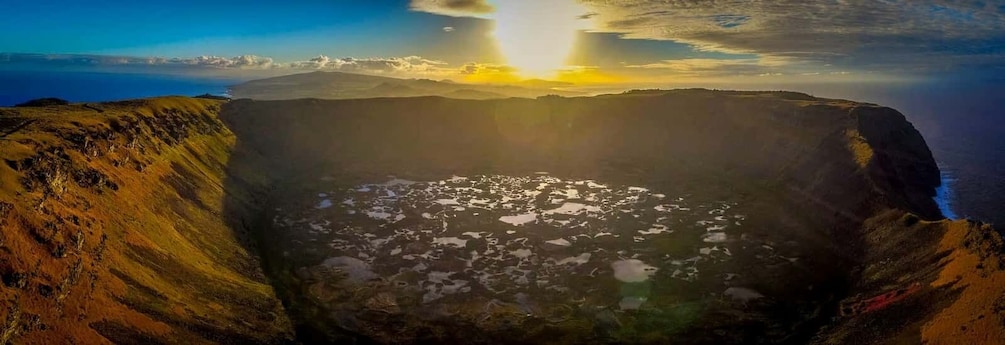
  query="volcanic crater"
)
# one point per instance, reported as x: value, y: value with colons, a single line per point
x: 688, y: 216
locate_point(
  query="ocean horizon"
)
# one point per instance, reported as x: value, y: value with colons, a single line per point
x: 20, y: 86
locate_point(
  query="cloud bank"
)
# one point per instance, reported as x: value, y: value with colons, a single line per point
x: 454, y: 8
x: 915, y: 36
x: 237, y: 62
x: 251, y: 66
x: 408, y: 66
x: 907, y: 35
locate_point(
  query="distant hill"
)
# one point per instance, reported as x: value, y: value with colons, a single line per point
x: 43, y: 102
x: 472, y: 94
x: 338, y: 85
x: 213, y: 97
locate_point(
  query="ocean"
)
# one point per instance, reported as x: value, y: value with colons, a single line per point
x: 20, y: 86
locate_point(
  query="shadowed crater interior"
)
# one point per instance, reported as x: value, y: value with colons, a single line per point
x: 640, y: 218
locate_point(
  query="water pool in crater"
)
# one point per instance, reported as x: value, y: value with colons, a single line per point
x: 485, y: 248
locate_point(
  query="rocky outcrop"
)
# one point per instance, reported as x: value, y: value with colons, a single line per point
x: 902, y: 166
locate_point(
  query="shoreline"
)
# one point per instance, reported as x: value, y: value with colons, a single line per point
x: 944, y: 195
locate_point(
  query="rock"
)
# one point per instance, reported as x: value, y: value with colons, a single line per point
x: 607, y: 320
x: 383, y: 302
x: 15, y: 280
x: 743, y: 295
x: 303, y: 273
x: 322, y: 292
x: 5, y: 209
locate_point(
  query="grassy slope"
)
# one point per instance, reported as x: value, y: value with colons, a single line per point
x: 115, y: 229
x: 919, y: 281
x: 947, y: 280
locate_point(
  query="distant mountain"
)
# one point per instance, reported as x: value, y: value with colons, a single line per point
x: 43, y: 102
x: 541, y: 83
x: 338, y: 85
x: 400, y: 90
x: 472, y: 94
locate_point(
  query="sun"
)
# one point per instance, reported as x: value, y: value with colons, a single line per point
x: 537, y: 36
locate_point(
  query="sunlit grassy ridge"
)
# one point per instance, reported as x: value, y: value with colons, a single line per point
x: 117, y: 208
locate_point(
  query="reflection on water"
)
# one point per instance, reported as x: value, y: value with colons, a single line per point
x: 513, y: 234
x: 481, y: 247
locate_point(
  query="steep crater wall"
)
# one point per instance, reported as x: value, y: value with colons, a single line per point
x: 811, y: 172
x: 114, y: 229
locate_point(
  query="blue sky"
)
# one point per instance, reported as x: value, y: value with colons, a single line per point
x: 193, y: 28
x: 637, y: 41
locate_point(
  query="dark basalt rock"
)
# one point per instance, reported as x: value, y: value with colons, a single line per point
x: 903, y: 166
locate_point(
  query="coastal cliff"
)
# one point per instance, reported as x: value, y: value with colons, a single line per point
x: 147, y: 221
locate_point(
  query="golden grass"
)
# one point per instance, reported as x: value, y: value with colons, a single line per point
x: 175, y: 258
x: 859, y: 148
x: 973, y: 266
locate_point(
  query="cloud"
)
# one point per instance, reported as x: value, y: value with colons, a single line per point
x: 238, y: 62
x: 916, y: 35
x: 487, y: 73
x: 448, y: 29
x: 729, y: 20
x: 243, y: 61
x: 480, y: 68
x: 247, y: 64
x: 453, y: 8
x: 394, y: 65
x: 697, y: 65
x: 708, y: 68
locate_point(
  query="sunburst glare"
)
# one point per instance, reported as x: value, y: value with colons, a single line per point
x: 536, y: 37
